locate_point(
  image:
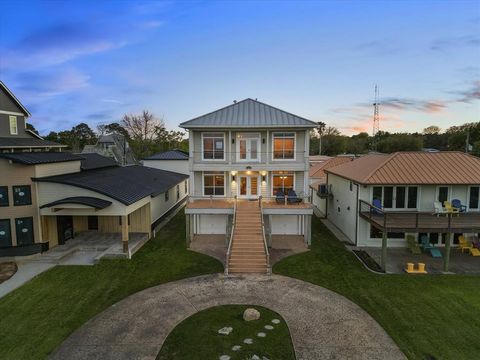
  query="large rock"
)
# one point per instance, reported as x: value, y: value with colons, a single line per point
x: 251, y: 314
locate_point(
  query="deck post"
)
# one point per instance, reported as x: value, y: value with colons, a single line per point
x: 270, y: 230
x: 384, y: 250
x: 308, y: 229
x: 446, y: 260
x: 187, y: 230
x: 124, y: 220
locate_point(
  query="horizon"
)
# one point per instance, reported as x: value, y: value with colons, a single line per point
x: 73, y: 62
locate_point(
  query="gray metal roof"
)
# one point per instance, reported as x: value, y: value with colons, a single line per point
x: 95, y: 161
x: 34, y: 158
x: 127, y: 184
x: 169, y: 155
x: 248, y: 113
x: 20, y: 142
x: 82, y: 200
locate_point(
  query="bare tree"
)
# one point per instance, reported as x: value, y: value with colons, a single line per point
x: 143, y: 130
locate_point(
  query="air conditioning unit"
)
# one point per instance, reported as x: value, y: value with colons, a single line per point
x: 324, y: 190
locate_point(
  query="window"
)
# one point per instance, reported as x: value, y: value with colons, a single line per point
x: 388, y: 197
x: 282, y: 181
x: 474, y: 198
x: 5, y: 233
x: 22, y: 195
x: 284, y: 146
x: 214, y: 183
x: 248, y: 145
x: 412, y: 197
x: 377, y: 193
x: 167, y: 195
x: 24, y: 231
x: 400, y: 197
x: 405, y: 196
x: 213, y: 146
x: 351, y: 185
x: 186, y: 186
x: 442, y: 194
x: 4, y: 196
x: 178, y: 192
x: 13, y: 125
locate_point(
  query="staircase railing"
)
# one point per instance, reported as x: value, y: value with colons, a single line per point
x: 267, y: 254
x: 229, y: 249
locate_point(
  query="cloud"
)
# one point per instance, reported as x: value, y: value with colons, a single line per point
x: 113, y: 101
x: 99, y: 116
x: 455, y: 42
x: 429, y: 106
x: 471, y: 94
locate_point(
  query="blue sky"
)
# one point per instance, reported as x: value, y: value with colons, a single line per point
x: 93, y: 61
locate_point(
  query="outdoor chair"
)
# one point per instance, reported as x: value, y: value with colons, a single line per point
x: 457, y: 204
x: 413, y: 245
x: 464, y: 244
x: 377, y: 203
x: 439, y: 209
x: 292, y: 197
x: 426, y: 245
x: 280, y: 197
x: 450, y: 208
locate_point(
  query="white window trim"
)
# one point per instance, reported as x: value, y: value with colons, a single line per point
x: 224, y: 184
x: 10, y: 118
x: 224, y: 145
x: 259, y: 185
x: 394, y: 196
x: 294, y: 146
x: 271, y: 181
x: 437, y: 190
x: 468, y: 200
x: 259, y: 147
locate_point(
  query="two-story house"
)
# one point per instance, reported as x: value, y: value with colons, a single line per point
x: 249, y: 165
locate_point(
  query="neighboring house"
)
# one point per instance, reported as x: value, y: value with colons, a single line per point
x: 318, y: 159
x: 242, y: 152
x: 404, y: 186
x: 318, y: 178
x: 14, y: 135
x: 172, y: 160
x: 113, y: 145
x: 75, y: 193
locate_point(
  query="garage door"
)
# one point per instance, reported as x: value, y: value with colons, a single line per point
x: 285, y: 225
x: 212, y: 224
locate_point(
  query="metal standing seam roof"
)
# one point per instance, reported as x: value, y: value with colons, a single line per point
x: 95, y: 161
x: 403, y: 168
x: 248, y: 113
x: 12, y: 142
x: 82, y: 200
x: 35, y: 158
x: 169, y: 155
x: 318, y: 171
x: 127, y: 184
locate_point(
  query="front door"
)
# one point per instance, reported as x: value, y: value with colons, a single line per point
x: 24, y: 231
x: 64, y: 228
x: 248, y: 147
x: 248, y: 187
x: 93, y: 223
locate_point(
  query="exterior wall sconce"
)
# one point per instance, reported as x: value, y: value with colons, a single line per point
x: 263, y: 141
x: 234, y: 178
x: 233, y: 140
x: 264, y: 178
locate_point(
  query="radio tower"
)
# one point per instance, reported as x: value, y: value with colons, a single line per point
x: 376, y: 118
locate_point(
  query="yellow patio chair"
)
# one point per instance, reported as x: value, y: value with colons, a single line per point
x: 450, y: 208
x: 474, y: 251
x: 464, y: 244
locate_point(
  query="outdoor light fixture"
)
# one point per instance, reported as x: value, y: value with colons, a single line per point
x: 264, y: 178
x: 233, y: 178
x: 233, y: 141
x: 233, y: 172
x: 248, y: 172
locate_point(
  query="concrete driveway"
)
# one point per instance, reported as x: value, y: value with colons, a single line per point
x: 323, y: 324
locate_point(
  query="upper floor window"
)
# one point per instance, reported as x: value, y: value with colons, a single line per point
x: 22, y: 195
x: 282, y: 181
x: 442, y: 194
x: 474, y: 198
x: 283, y: 145
x: 213, y: 146
x: 396, y: 197
x: 4, y: 196
x: 214, y: 183
x: 13, y: 125
x: 248, y: 147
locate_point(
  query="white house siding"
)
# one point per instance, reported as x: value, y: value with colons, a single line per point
x: 342, y: 209
x: 210, y: 224
x: 52, y: 169
x: 178, y: 166
x: 286, y: 225
x: 158, y: 204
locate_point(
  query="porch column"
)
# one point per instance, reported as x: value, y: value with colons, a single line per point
x: 270, y: 230
x: 125, y: 233
x: 308, y: 229
x: 187, y: 230
x: 446, y: 259
x: 384, y: 250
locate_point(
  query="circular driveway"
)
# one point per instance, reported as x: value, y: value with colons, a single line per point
x: 323, y: 324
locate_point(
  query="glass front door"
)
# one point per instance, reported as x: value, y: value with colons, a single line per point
x: 248, y: 186
x: 248, y: 146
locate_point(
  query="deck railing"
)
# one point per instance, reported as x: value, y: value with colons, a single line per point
x: 229, y: 248
x: 267, y: 253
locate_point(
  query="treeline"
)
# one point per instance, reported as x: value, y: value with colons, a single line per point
x: 145, y: 133
x: 432, y: 137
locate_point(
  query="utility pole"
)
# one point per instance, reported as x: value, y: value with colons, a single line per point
x: 376, y: 119
x: 320, y: 129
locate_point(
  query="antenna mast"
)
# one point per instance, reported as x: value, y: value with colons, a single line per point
x: 376, y: 118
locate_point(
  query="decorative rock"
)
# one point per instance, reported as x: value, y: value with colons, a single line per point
x: 269, y: 327
x: 276, y: 321
x: 236, y: 347
x: 224, y: 357
x: 225, y: 330
x: 251, y: 314
x: 261, y: 334
x: 248, y: 341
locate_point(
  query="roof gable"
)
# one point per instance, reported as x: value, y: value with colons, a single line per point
x: 318, y: 171
x: 13, y: 98
x: 248, y: 113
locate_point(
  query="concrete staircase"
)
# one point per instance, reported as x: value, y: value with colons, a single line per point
x: 248, y: 251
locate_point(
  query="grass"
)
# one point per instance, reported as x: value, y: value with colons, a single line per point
x: 38, y: 316
x: 196, y: 337
x: 427, y: 316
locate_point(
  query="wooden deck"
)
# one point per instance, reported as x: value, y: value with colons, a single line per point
x: 423, y: 222
x: 229, y: 204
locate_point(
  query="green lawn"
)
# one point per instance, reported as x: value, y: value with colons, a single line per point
x: 37, y: 317
x: 437, y: 315
x: 196, y: 338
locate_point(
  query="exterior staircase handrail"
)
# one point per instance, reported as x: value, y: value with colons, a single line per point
x: 267, y: 254
x: 229, y: 249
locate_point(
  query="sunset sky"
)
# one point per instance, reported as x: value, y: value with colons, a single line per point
x: 92, y: 61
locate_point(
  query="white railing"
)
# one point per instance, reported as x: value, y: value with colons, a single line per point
x: 287, y: 200
x: 267, y: 254
x: 229, y: 249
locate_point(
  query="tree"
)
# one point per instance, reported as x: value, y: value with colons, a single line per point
x: 431, y: 130
x: 113, y: 128
x: 358, y: 144
x: 143, y: 130
x: 32, y: 128
x: 400, y: 142
x: 81, y: 135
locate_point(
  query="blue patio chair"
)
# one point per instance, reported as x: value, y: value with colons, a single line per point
x: 458, y: 205
x: 292, y: 197
x: 280, y: 197
x: 378, y: 204
x: 425, y: 244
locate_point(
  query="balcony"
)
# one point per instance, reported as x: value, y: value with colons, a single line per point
x: 419, y: 221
